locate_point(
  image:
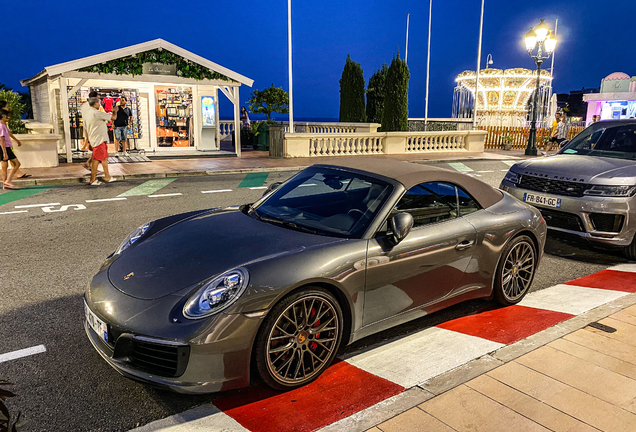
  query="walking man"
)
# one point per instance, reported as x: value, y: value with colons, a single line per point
x: 7, y: 152
x: 95, y: 126
x: 123, y: 114
x: 84, y: 110
x: 553, y: 133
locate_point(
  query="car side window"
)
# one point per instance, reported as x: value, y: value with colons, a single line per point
x: 429, y: 203
x: 467, y: 204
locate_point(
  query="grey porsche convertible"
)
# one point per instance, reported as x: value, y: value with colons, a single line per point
x: 202, y: 301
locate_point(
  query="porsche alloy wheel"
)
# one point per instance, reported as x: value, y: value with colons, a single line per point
x: 515, y: 271
x: 300, y: 339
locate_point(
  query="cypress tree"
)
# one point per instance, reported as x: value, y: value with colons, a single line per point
x: 395, y: 117
x: 375, y: 95
x: 352, y: 93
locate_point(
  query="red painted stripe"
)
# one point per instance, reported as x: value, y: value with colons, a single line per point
x: 609, y: 280
x: 340, y: 391
x: 506, y: 325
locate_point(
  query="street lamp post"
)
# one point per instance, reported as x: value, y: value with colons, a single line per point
x: 541, y: 41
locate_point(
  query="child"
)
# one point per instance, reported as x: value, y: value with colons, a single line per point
x: 7, y: 152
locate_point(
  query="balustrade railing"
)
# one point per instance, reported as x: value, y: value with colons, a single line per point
x: 341, y: 145
x: 225, y: 128
x: 444, y: 142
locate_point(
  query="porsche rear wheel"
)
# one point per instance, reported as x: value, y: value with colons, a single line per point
x: 299, y: 339
x: 515, y: 271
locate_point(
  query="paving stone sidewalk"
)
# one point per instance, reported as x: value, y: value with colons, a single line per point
x: 251, y: 161
x: 582, y: 381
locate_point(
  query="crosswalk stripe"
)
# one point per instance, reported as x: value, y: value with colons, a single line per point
x: 149, y: 187
x: 458, y: 166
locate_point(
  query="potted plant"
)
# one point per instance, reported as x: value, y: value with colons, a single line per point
x: 506, y: 141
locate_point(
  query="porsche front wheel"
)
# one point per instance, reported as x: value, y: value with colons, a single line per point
x: 299, y: 339
x: 515, y: 271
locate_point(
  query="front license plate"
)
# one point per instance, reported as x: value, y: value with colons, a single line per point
x: 542, y: 200
x: 98, y: 326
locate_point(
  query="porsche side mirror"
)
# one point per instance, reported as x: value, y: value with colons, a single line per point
x: 272, y: 188
x: 401, y: 225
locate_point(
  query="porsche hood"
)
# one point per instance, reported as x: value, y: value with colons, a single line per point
x: 198, y: 248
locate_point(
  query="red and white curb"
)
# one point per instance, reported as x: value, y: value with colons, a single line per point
x: 362, y: 380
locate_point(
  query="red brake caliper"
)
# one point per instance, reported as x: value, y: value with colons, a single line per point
x: 314, y: 345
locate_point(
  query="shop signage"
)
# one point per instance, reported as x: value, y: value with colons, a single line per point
x: 159, y: 69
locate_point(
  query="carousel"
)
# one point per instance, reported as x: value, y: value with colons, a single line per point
x: 503, y: 96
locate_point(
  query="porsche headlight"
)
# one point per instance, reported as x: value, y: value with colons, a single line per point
x: 133, y: 237
x: 216, y: 295
x: 512, y: 177
x: 611, y: 191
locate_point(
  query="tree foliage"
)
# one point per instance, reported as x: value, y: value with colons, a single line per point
x: 16, y: 109
x: 352, y: 93
x: 396, y: 97
x: 272, y: 99
x: 375, y: 95
x: 133, y: 65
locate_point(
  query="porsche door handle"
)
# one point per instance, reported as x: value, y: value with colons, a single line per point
x: 464, y: 245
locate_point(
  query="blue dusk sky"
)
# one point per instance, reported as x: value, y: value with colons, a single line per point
x: 250, y: 37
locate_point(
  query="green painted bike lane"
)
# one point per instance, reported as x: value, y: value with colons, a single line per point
x: 254, y: 180
x: 148, y: 188
x: 16, y: 195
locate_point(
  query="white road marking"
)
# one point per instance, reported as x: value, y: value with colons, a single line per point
x: 22, y: 353
x: 458, y: 166
x: 484, y: 171
x: 570, y: 299
x: 106, y: 199
x: 422, y: 355
x: 200, y: 419
x: 37, y: 205
x: 504, y: 170
x: 631, y: 268
x: 13, y: 212
x: 260, y: 187
x: 510, y: 162
x: 165, y: 195
x: 64, y: 208
x: 216, y: 191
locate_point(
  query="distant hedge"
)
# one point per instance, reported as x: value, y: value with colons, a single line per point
x: 352, y: 93
x: 395, y: 117
x: 375, y: 95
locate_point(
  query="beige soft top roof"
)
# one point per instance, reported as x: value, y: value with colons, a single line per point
x: 411, y: 174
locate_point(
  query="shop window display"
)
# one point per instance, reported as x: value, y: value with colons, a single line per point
x: 174, y: 116
x: 109, y: 98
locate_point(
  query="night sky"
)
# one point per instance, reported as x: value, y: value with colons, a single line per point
x: 250, y: 37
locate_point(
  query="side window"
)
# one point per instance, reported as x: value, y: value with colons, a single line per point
x: 467, y: 204
x: 429, y: 203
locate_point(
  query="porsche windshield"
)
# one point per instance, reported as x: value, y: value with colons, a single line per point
x: 325, y: 201
x: 611, y: 141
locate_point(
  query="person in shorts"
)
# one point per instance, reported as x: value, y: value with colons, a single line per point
x: 123, y: 114
x: 95, y: 126
x: 87, y: 145
x: 7, y: 152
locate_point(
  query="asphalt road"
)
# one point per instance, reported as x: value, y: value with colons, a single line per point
x: 48, y: 257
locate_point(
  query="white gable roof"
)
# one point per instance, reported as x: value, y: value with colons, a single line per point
x: 134, y: 49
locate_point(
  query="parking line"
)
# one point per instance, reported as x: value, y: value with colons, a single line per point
x: 458, y: 166
x: 217, y: 191
x: 484, y: 171
x: 165, y: 195
x: 13, y: 212
x: 37, y: 205
x: 105, y: 199
x: 22, y: 353
x: 260, y: 187
x: 504, y: 170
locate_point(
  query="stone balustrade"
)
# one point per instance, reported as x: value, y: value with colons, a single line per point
x: 374, y: 143
x: 225, y: 128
